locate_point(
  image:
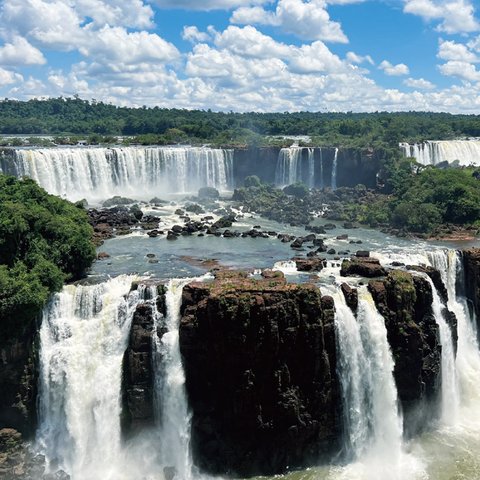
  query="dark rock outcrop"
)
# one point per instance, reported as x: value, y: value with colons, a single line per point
x: 362, y: 266
x: 351, y: 296
x: 436, y: 277
x: 405, y: 301
x: 137, y: 370
x: 311, y: 264
x: 138, y: 364
x: 260, y: 363
x: 471, y: 266
x: 18, y: 382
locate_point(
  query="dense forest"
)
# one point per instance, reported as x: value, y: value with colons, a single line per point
x: 44, y: 241
x: 74, y: 116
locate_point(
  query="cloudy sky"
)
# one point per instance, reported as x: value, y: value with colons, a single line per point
x: 243, y: 55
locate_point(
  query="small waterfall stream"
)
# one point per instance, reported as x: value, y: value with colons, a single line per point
x: 289, y: 166
x: 311, y: 167
x: 449, y: 263
x: 450, y: 395
x: 334, y: 170
x: 171, y: 400
x: 322, y: 182
x: 373, y: 424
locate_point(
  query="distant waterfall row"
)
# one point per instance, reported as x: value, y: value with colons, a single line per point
x: 315, y: 167
x: 100, y: 173
x: 465, y: 152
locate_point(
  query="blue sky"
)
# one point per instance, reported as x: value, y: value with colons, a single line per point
x: 246, y: 55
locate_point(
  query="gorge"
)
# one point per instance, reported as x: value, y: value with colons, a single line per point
x: 244, y: 355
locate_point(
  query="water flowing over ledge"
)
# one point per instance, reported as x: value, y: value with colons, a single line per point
x: 100, y: 173
x: 85, y: 333
x: 466, y: 152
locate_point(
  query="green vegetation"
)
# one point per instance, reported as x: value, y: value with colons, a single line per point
x: 422, y: 199
x: 299, y: 190
x: 101, y: 123
x: 44, y: 241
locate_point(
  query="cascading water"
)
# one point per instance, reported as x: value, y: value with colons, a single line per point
x: 449, y: 263
x: 467, y: 152
x: 322, y: 182
x: 373, y: 426
x: 450, y: 396
x: 289, y: 166
x: 311, y: 167
x: 83, y: 337
x: 171, y: 404
x: 334, y: 170
x: 100, y: 173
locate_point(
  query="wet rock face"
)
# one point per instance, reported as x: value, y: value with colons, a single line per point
x: 18, y: 462
x: 138, y: 374
x: 18, y: 383
x: 405, y: 301
x: 259, y: 357
x: 471, y: 266
x: 362, y: 266
x: 351, y: 296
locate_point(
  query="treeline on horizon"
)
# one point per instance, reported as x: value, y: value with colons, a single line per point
x: 77, y: 117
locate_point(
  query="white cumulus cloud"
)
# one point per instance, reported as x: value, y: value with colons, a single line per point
x: 354, y: 58
x: 463, y: 70
x: 419, y: 83
x: 450, y: 50
x: 20, y: 52
x: 394, y: 70
x: 455, y: 16
x: 207, y: 4
x: 307, y: 19
x: 191, y: 33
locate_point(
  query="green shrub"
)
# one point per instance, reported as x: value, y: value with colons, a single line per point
x: 44, y: 241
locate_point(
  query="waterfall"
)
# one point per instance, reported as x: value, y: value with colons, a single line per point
x: 83, y: 336
x: 289, y: 166
x: 450, y: 396
x: 467, y: 152
x: 311, y: 167
x: 334, y: 170
x: 171, y: 404
x: 373, y: 426
x: 322, y: 182
x: 100, y: 173
x: 449, y: 263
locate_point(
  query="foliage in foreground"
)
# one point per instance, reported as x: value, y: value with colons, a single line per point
x: 44, y: 241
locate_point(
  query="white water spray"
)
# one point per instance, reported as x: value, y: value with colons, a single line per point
x: 311, y: 167
x: 322, y: 182
x: 466, y: 152
x: 173, y: 416
x: 373, y: 422
x: 289, y: 166
x: 450, y: 395
x: 100, y: 173
x: 334, y: 170
x: 468, y: 356
x: 83, y: 337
